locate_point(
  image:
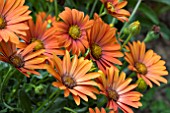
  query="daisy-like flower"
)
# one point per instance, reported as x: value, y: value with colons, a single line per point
x: 146, y: 64
x: 39, y: 33
x: 97, y: 110
x: 71, y: 32
x: 25, y: 60
x: 119, y: 91
x: 12, y: 16
x: 114, y: 8
x: 104, y: 48
x: 73, y: 78
x: 49, y: 18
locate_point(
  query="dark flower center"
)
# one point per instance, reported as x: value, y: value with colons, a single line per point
x: 113, y: 94
x: 141, y: 68
x: 68, y: 81
x: 40, y: 44
x: 96, y: 51
x: 74, y: 32
x: 17, y: 60
x: 2, y: 22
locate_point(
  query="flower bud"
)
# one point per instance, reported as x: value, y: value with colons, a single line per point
x: 39, y: 89
x: 142, y: 86
x: 151, y: 36
x: 134, y: 28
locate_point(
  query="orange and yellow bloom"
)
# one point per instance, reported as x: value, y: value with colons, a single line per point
x: 119, y: 91
x: 44, y: 37
x: 73, y: 78
x: 104, y: 49
x: 12, y: 16
x: 146, y: 64
x: 97, y: 110
x: 71, y: 32
x: 114, y: 8
x: 25, y: 60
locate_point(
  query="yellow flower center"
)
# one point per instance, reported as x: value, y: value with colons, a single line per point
x: 2, y: 23
x: 17, y: 60
x: 40, y: 44
x: 110, y: 7
x: 141, y: 68
x: 96, y: 51
x: 68, y: 81
x: 113, y: 94
x: 74, y: 32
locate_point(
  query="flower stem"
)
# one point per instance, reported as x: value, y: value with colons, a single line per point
x: 94, y: 5
x: 127, y: 40
x: 56, y: 8
x: 68, y: 109
x: 101, y: 9
x: 131, y: 16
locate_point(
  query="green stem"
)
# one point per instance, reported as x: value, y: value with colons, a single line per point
x: 45, y: 102
x: 68, y: 109
x: 101, y: 9
x: 131, y: 16
x: 127, y: 40
x: 102, y: 14
x: 94, y: 5
x: 57, y: 94
x: 56, y: 8
x: 3, y: 84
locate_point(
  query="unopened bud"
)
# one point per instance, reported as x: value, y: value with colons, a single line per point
x: 156, y: 29
x: 142, y: 86
x: 134, y: 28
x: 151, y: 36
x: 39, y: 89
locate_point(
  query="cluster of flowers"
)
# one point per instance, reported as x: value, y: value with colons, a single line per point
x: 40, y: 46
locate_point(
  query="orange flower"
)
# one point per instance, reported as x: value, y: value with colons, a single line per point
x: 104, y: 49
x: 25, y: 60
x: 50, y: 19
x: 39, y: 33
x: 73, y: 78
x: 12, y: 16
x: 147, y: 64
x: 72, y: 31
x: 114, y: 8
x: 118, y: 91
x: 97, y: 110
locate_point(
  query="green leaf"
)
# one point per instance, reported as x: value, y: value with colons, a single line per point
x: 163, y: 1
x: 165, y: 31
x: 24, y: 102
x: 148, y: 12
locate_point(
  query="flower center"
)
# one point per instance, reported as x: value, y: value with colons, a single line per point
x: 68, y: 81
x: 141, y: 68
x: 40, y: 44
x: 17, y: 60
x: 2, y: 23
x: 113, y: 94
x: 96, y: 51
x: 110, y: 7
x: 74, y: 32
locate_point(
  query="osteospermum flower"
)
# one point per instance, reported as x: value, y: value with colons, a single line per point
x: 114, y: 8
x: 73, y: 78
x: 25, y: 60
x: 47, y: 17
x: 71, y: 32
x: 119, y: 91
x: 104, y: 49
x: 146, y: 64
x: 39, y: 33
x: 12, y: 16
x: 97, y: 110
